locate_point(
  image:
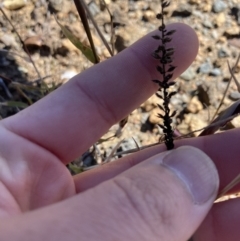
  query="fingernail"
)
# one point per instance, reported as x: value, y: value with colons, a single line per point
x: 196, y: 170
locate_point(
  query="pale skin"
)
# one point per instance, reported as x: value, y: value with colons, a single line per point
x: 40, y: 200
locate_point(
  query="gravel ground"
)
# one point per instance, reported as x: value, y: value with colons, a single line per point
x: 200, y: 88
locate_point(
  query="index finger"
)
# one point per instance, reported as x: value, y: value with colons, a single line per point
x: 76, y: 115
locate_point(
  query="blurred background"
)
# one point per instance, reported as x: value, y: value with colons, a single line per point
x: 51, y: 60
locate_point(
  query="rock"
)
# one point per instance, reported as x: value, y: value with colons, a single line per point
x: 206, y: 32
x: 233, y: 31
x: 182, y: 11
x: 105, y: 53
x: 223, y: 53
x: 222, y: 40
x: 148, y: 105
x: 144, y: 117
x: 153, y: 116
x: 236, y: 122
x: 119, y: 14
x: 107, y: 2
x: 195, y: 105
x: 216, y: 72
x: 235, y: 95
x: 68, y: 74
x: 189, y: 74
x: 14, y: 4
x: 194, y: 123
x: 36, y: 40
x: 153, y: 100
x: 207, y: 23
x: 215, y: 34
x: 177, y: 100
x: 185, y: 98
x: 146, y: 125
x: 205, y: 68
x: 8, y: 40
x: 206, y: 7
x: 198, y: 14
x: 56, y: 5
x: 220, y: 19
x: 183, y: 128
x: 93, y: 8
x: 219, y: 6
x: 22, y: 69
x: 119, y: 18
x: 129, y: 34
x: 148, y: 15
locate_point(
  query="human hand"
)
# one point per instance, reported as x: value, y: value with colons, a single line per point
x: 39, y: 200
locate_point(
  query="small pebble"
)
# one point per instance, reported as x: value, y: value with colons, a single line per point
x: 222, y: 53
x: 235, y: 95
x: 189, y: 74
x: 205, y: 68
x: 22, y: 69
x: 56, y: 5
x: 198, y: 14
x: 8, y: 40
x: 219, y: 6
x: 14, y: 4
x: 207, y: 24
x: 215, y: 34
x: 216, y: 72
x: 93, y: 8
x: 68, y: 74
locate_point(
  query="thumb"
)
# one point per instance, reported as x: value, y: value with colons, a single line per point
x: 163, y: 198
x: 171, y: 192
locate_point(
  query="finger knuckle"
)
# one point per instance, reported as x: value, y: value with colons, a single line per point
x: 140, y: 200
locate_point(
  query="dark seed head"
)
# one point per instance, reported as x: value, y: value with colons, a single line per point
x: 165, y: 56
